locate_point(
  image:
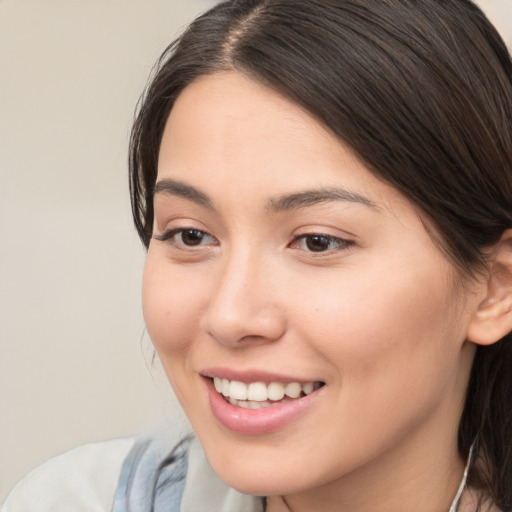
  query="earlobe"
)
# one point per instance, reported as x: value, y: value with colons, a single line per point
x: 493, y: 317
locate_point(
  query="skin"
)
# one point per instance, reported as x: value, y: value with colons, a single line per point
x: 379, y: 316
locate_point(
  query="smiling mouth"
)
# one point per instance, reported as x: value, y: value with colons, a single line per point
x: 258, y: 395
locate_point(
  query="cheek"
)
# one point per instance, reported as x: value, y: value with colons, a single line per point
x: 171, y: 305
x: 392, y: 347
x: 386, y: 322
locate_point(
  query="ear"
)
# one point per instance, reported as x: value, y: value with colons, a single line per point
x: 493, y: 317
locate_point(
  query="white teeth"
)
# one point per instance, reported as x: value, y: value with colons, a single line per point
x: 257, y: 391
x: 249, y: 404
x: 238, y: 390
x: 225, y: 387
x: 293, y: 389
x: 259, y: 394
x: 308, y: 388
x: 275, y: 391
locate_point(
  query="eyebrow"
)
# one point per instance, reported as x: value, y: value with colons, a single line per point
x: 179, y: 189
x: 276, y: 204
x: 312, y: 197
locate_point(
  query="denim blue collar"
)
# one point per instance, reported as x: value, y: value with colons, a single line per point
x: 163, y: 476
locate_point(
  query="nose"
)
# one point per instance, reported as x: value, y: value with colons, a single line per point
x: 243, y: 307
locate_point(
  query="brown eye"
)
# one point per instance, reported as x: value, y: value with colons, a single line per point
x: 186, y: 237
x: 192, y: 237
x: 317, y: 243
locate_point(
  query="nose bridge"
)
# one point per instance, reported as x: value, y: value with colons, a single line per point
x: 243, y: 306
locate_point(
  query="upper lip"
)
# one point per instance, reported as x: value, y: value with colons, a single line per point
x: 252, y: 375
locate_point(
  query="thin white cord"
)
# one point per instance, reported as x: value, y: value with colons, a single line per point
x: 455, y: 502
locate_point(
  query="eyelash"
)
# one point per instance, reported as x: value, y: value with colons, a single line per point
x: 341, y: 243
x: 169, y: 236
x: 307, y: 238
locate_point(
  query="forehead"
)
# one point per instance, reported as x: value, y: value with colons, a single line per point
x: 228, y: 127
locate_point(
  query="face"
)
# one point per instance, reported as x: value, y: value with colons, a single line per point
x: 280, y: 264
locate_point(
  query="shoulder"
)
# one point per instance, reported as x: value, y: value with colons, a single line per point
x: 83, y: 479
x: 137, y: 474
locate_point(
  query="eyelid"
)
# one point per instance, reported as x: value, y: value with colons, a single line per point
x: 167, y: 234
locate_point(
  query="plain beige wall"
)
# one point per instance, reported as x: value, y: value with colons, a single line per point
x: 72, y: 363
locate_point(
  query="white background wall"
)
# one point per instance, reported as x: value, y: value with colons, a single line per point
x: 73, y: 366
x: 72, y: 363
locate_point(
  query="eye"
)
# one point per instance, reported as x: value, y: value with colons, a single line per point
x: 186, y: 237
x: 192, y: 237
x: 320, y: 243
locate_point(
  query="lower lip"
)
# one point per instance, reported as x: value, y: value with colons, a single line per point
x: 257, y: 421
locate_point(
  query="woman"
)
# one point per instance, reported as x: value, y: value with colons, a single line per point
x: 324, y: 189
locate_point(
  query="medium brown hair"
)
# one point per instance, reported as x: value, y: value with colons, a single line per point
x: 422, y: 92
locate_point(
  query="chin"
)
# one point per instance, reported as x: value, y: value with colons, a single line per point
x: 258, y: 485
x: 259, y: 477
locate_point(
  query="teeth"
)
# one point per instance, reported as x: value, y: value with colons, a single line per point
x: 251, y: 404
x: 308, y: 388
x: 275, y: 391
x: 259, y: 394
x: 293, y: 389
x: 237, y: 390
x: 257, y: 391
x: 225, y: 387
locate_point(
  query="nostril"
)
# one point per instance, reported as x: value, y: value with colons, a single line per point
x: 255, y: 328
